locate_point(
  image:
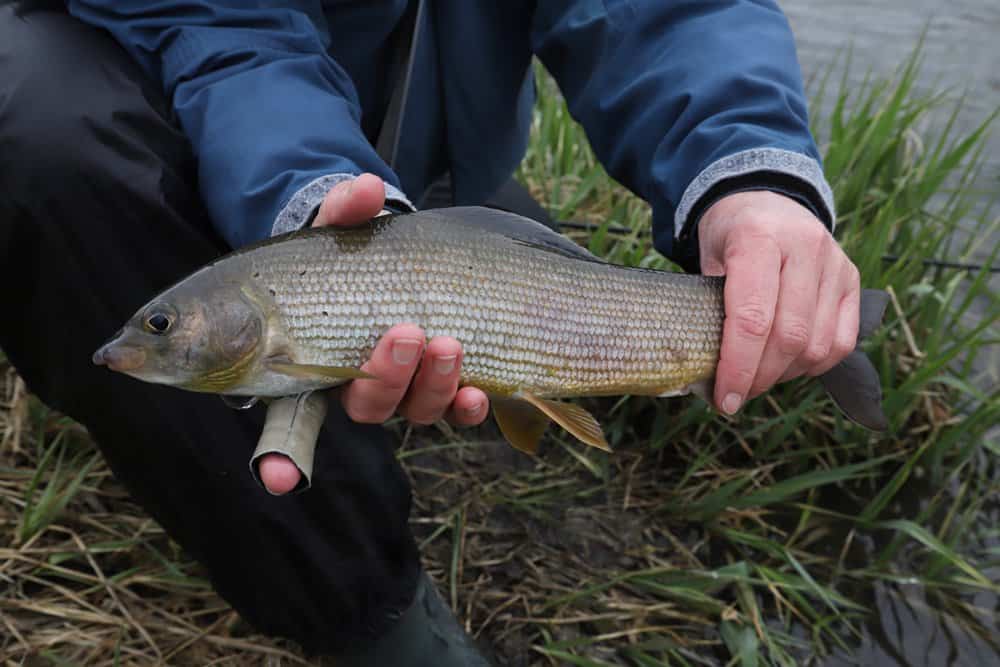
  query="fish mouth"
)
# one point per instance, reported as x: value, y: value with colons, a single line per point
x: 119, y: 356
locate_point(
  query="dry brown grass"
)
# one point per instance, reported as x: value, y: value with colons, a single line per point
x: 573, y: 558
x: 764, y: 541
x: 505, y: 538
x: 101, y: 584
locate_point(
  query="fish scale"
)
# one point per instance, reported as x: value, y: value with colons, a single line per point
x: 530, y: 318
x: 539, y: 318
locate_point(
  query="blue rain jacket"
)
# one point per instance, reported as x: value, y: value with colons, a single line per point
x: 676, y: 96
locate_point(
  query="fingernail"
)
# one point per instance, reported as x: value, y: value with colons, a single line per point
x: 445, y: 364
x: 731, y: 403
x: 405, y: 350
x: 474, y: 410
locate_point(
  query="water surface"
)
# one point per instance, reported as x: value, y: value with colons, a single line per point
x: 908, y: 627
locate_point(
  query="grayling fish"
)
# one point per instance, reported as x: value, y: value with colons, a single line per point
x: 539, y: 319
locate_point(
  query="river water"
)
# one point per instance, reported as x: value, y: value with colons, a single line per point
x: 961, y: 52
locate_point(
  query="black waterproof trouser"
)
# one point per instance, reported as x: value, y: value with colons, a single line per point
x: 99, y: 210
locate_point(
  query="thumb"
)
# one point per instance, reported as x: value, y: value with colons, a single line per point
x: 278, y: 473
x: 284, y: 455
x: 353, y: 201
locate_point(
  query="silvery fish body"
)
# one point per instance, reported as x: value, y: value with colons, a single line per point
x: 548, y: 319
x: 539, y: 318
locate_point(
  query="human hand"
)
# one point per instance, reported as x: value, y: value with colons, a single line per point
x: 792, y: 296
x: 414, y: 377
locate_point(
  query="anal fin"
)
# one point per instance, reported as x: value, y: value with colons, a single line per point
x: 577, y: 421
x: 521, y: 423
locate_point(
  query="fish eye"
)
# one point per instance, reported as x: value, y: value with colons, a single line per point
x: 158, y: 323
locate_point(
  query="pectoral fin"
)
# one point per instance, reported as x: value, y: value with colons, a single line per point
x: 577, y: 421
x: 521, y: 423
x: 334, y: 374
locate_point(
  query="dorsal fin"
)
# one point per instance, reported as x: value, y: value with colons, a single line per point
x: 508, y: 224
x: 471, y: 218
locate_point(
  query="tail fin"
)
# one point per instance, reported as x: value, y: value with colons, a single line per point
x: 854, y: 384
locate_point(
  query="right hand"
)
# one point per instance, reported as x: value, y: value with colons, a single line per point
x: 792, y: 297
x: 414, y: 378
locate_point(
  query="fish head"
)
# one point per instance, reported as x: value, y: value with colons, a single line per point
x: 198, y: 336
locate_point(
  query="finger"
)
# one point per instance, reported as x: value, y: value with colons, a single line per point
x: 753, y: 265
x: 433, y: 389
x: 351, y: 202
x: 278, y: 474
x: 795, y: 314
x: 845, y: 337
x: 393, y: 362
x: 469, y: 408
x: 824, y: 327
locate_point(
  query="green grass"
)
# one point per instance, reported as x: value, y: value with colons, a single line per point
x: 760, y: 540
x: 789, y: 483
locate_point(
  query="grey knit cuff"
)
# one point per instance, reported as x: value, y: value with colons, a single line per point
x: 299, y: 209
x: 746, y: 162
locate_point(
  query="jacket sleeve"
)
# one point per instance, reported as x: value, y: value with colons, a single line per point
x: 273, y: 120
x: 685, y: 101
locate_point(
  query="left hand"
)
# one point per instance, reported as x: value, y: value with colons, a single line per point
x: 792, y: 296
x: 415, y: 377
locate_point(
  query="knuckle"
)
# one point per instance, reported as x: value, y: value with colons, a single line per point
x: 756, y: 221
x: 816, y: 352
x: 793, y: 337
x: 816, y: 235
x: 753, y: 319
x: 841, y: 348
x: 819, y: 242
x: 752, y: 235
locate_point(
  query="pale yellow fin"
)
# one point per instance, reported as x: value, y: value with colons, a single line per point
x: 577, y: 421
x: 313, y: 372
x: 521, y: 423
